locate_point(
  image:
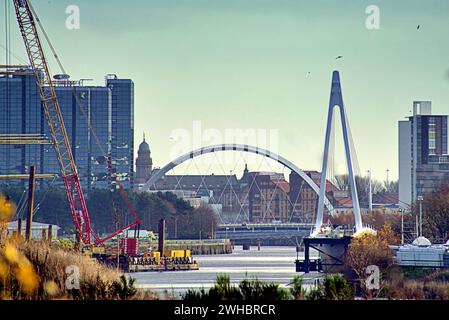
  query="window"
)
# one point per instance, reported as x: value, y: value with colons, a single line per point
x: 432, y: 136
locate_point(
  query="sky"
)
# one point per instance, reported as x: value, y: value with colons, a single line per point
x: 261, y: 65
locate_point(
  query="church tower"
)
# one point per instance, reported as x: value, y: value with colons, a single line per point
x: 144, y: 163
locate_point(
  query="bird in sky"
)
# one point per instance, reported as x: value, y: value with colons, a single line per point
x: 418, y: 27
x: 339, y: 57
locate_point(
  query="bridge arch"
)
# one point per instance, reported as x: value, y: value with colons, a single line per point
x: 234, y: 147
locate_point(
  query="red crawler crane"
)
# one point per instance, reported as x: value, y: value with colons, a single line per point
x: 58, y: 132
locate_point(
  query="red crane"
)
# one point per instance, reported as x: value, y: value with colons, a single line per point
x: 50, y: 105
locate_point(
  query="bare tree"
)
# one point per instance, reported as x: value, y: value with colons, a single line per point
x: 435, y: 209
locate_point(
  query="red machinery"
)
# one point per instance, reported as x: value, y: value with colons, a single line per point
x: 58, y: 132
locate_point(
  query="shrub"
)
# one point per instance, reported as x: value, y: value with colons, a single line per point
x: 123, y: 288
x: 336, y: 287
x: 297, y: 291
x: 223, y: 290
x: 314, y: 294
x: 248, y: 289
x: 195, y: 295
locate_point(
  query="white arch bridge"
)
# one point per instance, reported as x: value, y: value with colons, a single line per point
x: 160, y: 174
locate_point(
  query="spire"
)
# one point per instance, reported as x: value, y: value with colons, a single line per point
x: 245, y: 172
x: 144, y: 136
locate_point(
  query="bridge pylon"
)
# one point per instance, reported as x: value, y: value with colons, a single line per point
x: 336, y: 100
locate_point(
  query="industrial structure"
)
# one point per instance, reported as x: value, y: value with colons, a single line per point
x: 38, y: 230
x: 422, y: 254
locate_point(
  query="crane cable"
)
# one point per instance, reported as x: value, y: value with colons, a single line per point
x: 47, y: 38
x: 7, y: 32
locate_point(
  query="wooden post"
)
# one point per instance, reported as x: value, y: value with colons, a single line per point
x: 50, y: 233
x: 19, y: 228
x: 161, y: 234
x: 30, y: 210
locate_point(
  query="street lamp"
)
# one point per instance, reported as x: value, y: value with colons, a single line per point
x: 370, y: 192
x: 420, y: 200
x: 402, y: 225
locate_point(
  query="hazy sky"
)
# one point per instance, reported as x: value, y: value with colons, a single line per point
x: 245, y: 64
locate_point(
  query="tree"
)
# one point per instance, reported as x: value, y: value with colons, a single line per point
x: 391, y: 186
x: 362, y: 183
x: 435, y: 208
x: 342, y: 183
x: 200, y: 222
x: 370, y: 248
x: 377, y: 219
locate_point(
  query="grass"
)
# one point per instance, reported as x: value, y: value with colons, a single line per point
x: 35, y: 270
x: 417, y: 284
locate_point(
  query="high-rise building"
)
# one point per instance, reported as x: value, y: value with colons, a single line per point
x: 90, y: 143
x: 89, y: 118
x: 21, y: 113
x: 423, y: 153
x: 122, y: 152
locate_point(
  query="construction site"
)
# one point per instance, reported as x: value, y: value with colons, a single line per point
x: 120, y: 248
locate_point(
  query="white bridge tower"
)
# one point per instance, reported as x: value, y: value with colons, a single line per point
x: 336, y: 100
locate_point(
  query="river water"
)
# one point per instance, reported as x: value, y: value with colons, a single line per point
x: 269, y: 264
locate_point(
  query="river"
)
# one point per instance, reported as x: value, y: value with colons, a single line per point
x: 269, y: 264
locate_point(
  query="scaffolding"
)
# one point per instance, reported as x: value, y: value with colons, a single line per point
x: 23, y: 139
